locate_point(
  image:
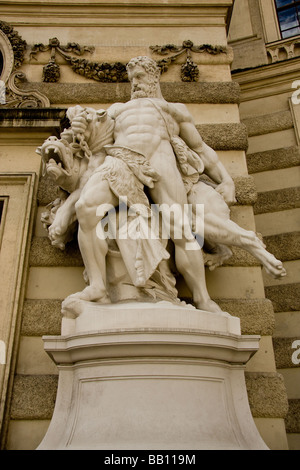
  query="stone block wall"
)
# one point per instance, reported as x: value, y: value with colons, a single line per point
x: 273, y: 159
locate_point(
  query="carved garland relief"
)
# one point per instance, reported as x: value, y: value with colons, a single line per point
x: 12, y: 53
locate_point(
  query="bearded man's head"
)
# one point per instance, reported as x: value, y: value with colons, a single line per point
x: 144, y: 74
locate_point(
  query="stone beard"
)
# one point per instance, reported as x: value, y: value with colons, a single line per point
x: 151, y: 89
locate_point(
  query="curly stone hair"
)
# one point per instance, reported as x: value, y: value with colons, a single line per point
x: 147, y: 63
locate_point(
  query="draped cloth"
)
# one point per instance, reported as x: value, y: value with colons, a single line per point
x: 127, y: 172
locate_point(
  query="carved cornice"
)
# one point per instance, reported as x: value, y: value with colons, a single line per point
x: 136, y: 13
x: 283, y: 50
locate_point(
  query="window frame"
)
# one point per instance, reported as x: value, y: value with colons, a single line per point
x: 295, y: 3
x: 18, y: 190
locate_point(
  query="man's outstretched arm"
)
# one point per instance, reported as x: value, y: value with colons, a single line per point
x: 212, y: 165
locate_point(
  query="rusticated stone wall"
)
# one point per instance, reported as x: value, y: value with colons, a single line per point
x: 273, y: 159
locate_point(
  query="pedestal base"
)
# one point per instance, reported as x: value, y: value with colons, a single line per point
x: 151, y: 376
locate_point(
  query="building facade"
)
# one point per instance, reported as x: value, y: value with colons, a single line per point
x: 234, y: 68
x: 265, y: 39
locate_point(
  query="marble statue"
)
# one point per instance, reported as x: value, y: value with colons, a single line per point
x: 130, y: 159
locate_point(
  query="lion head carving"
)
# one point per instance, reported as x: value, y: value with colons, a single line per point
x: 68, y: 160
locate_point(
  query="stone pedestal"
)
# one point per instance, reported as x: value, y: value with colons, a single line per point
x: 151, y: 376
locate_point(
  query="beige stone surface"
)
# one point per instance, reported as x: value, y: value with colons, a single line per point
x: 240, y: 30
x: 234, y: 161
x: 273, y: 432
x: 64, y: 281
x: 18, y: 192
x: 287, y: 324
x: 269, y: 18
x: 33, y: 359
x: 266, y: 105
x: 278, y: 222
x: 264, y: 359
x: 294, y: 441
x: 19, y: 158
x: 272, y: 141
x: 245, y: 282
x: 214, y: 113
x: 243, y: 216
x: 293, y: 269
x: 292, y: 381
x: 277, y: 179
x: 26, y: 434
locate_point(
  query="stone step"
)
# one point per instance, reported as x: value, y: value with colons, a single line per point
x: 266, y: 394
x: 232, y: 136
x: 33, y: 396
x: 266, y: 124
x: 285, y: 246
x: 277, y: 200
x: 269, y: 160
x: 285, y: 298
x: 292, y: 420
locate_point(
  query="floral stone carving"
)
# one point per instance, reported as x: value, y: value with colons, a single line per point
x: 102, y: 72
x: 116, y: 72
x: 189, y: 70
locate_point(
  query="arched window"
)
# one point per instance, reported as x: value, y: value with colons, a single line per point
x: 288, y: 12
x: 6, y: 57
x: 1, y: 62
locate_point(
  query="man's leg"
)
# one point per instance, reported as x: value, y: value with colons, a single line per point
x: 219, y: 229
x: 189, y: 261
x: 93, y: 248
